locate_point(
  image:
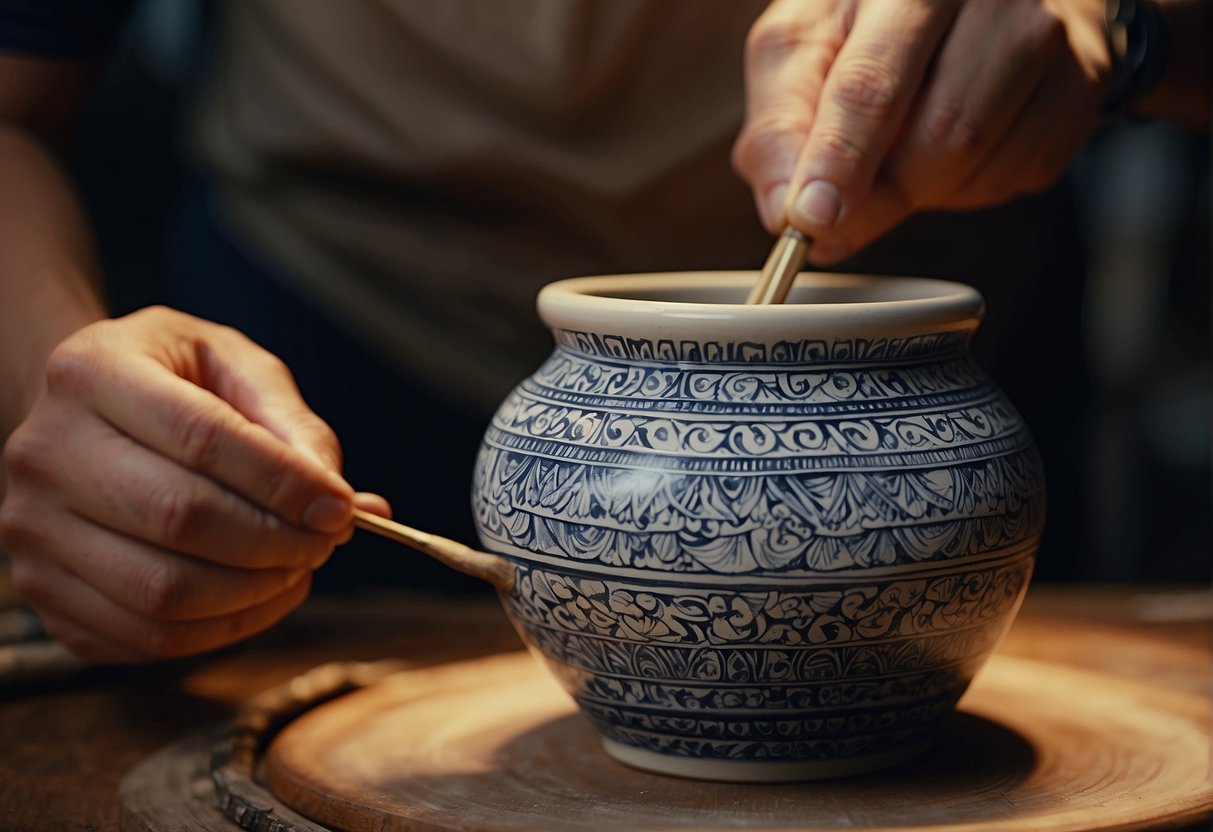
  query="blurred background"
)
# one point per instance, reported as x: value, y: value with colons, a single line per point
x: 1130, y: 446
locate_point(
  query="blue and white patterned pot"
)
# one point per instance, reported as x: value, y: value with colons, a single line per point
x: 761, y: 542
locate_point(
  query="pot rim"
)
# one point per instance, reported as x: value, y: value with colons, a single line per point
x: 859, y: 305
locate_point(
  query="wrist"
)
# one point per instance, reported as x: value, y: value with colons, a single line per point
x: 60, y: 302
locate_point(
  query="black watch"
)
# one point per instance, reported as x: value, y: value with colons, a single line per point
x: 1140, y: 41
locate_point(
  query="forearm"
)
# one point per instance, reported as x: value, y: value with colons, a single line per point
x: 1183, y: 94
x: 49, y: 283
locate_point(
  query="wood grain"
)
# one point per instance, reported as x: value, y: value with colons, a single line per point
x: 68, y: 743
x: 493, y: 744
x: 172, y: 790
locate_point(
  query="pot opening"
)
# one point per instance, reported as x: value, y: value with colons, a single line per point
x: 701, y: 304
x: 816, y: 293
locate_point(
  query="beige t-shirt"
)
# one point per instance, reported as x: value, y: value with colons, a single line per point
x: 422, y: 167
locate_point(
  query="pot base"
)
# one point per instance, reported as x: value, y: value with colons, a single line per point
x: 758, y: 771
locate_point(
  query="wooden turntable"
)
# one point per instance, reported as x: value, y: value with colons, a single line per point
x: 493, y: 744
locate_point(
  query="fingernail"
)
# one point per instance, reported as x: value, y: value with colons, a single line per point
x: 774, y: 208
x: 327, y: 514
x: 818, y: 204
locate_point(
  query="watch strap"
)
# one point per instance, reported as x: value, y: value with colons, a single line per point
x: 1140, y: 41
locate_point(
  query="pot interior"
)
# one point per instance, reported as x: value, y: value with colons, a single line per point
x: 860, y: 290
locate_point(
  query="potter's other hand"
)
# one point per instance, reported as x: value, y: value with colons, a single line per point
x: 169, y: 492
x: 860, y: 112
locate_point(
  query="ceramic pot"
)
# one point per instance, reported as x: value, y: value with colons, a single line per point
x: 761, y: 542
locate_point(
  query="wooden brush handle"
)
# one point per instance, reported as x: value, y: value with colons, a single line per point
x: 782, y: 266
x: 492, y: 568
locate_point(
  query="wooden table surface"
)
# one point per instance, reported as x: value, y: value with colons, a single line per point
x: 66, y: 745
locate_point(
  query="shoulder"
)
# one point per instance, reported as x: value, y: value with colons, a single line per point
x: 62, y: 29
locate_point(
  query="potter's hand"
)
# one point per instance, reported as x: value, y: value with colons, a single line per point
x: 860, y: 112
x: 169, y: 492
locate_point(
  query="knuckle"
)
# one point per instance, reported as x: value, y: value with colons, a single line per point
x: 231, y: 341
x: 161, y: 592
x: 197, y: 435
x: 160, y: 310
x: 73, y: 364
x: 277, y: 486
x: 158, y: 315
x: 317, y: 435
x: 867, y: 87
x: 762, y: 141
x: 152, y: 312
x: 841, y: 147
x: 765, y: 137
x: 323, y: 436
x: 272, y: 363
x: 174, y: 515
x: 774, y: 36
x: 746, y: 158
x: 947, y: 128
x: 743, y: 157
x: 26, y: 452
